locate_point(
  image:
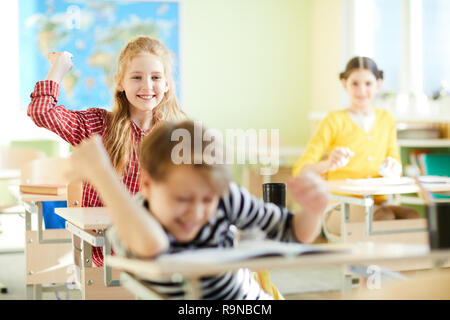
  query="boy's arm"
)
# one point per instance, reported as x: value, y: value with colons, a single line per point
x: 135, y: 226
x: 310, y: 191
x: 248, y: 212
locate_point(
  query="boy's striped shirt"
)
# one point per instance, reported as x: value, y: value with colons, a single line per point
x: 237, y: 210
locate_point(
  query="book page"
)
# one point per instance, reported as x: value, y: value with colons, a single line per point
x: 434, y: 179
x: 373, y: 182
x: 249, y: 250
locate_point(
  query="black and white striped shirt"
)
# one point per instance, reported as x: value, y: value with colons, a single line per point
x: 237, y: 210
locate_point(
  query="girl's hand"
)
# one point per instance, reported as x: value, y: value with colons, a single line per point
x: 89, y: 160
x: 309, y: 190
x: 390, y: 168
x: 339, y: 158
x: 61, y: 64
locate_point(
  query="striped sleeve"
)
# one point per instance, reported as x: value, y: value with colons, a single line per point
x: 72, y: 126
x: 248, y: 212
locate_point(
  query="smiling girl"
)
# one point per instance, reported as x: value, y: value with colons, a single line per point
x: 144, y: 95
x: 361, y: 142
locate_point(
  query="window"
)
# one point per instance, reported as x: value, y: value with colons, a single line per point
x: 436, y: 44
x: 387, y: 42
x: 407, y: 38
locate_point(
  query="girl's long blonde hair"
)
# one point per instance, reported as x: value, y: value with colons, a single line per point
x: 119, y: 137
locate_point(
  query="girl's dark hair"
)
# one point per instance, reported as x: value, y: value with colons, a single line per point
x: 361, y: 63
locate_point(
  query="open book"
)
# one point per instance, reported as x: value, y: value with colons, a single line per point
x: 251, y: 249
x: 434, y: 179
x: 47, y: 189
x: 374, y: 182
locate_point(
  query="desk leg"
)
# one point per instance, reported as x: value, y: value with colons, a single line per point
x: 369, y: 216
x: 29, y: 287
x: 37, y: 292
x: 346, y: 281
x: 345, y: 211
x: 86, y: 262
x: 30, y: 291
x: 194, y: 292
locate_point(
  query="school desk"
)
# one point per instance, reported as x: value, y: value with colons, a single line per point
x: 362, y: 192
x: 95, y: 283
x: 45, y: 250
x: 359, y: 256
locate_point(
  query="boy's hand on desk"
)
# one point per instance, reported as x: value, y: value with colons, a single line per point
x: 61, y: 64
x: 339, y: 158
x: 310, y: 190
x: 89, y: 159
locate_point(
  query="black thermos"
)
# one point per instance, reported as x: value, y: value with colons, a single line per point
x: 439, y: 225
x: 275, y: 193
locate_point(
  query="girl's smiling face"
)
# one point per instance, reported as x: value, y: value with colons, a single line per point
x: 361, y: 86
x: 182, y: 203
x: 144, y: 82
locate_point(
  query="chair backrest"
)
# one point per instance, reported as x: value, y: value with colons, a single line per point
x: 16, y: 158
x: 74, y: 194
x: 46, y: 171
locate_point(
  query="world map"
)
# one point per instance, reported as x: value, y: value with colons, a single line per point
x: 94, y: 32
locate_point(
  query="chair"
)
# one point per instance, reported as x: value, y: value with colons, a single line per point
x: 49, y: 251
x: 15, y: 158
x: 12, y: 158
x: 48, y: 171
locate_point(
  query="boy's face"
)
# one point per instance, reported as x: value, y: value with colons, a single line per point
x: 182, y: 203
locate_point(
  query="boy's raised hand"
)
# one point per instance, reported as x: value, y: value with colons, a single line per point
x: 89, y: 159
x: 310, y: 190
x: 339, y: 158
x: 61, y: 64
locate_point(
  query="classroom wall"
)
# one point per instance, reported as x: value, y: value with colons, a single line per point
x: 258, y: 64
x: 247, y: 64
x: 328, y: 48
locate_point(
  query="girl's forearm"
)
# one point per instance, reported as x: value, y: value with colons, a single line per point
x: 54, y: 75
x: 136, y: 226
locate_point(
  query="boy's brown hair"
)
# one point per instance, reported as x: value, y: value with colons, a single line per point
x: 156, y: 155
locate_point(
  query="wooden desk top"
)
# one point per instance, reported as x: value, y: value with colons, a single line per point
x: 28, y: 197
x: 86, y: 218
x: 361, y: 189
x: 361, y: 253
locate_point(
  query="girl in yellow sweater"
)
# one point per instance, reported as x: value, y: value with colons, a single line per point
x: 361, y: 142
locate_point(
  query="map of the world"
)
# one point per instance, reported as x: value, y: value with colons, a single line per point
x: 94, y: 32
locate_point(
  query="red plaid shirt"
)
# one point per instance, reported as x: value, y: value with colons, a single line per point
x: 75, y: 126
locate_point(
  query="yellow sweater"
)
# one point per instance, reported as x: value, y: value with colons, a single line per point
x: 337, y: 129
